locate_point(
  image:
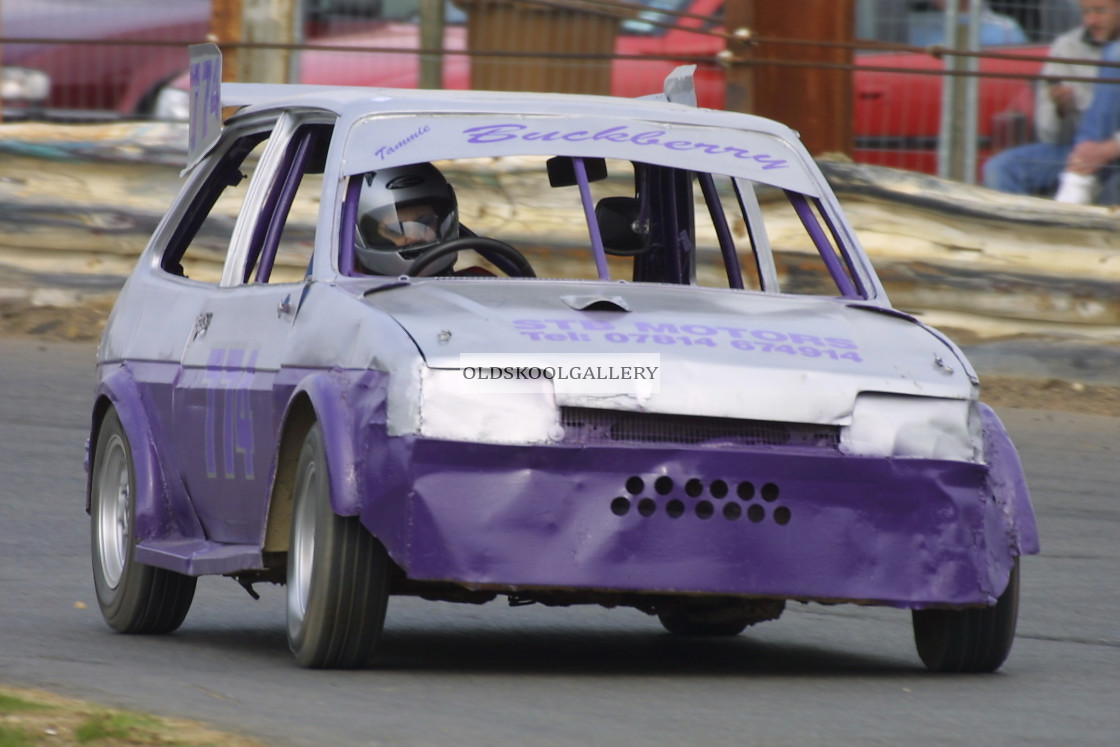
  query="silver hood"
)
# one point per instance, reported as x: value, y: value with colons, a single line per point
x: 722, y: 353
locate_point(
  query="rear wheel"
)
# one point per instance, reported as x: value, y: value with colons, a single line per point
x: 134, y: 598
x: 338, y: 574
x: 969, y: 640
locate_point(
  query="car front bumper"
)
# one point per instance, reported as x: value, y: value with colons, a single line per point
x: 789, y: 523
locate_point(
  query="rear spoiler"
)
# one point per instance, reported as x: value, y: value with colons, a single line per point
x: 205, y: 124
x: 209, y: 97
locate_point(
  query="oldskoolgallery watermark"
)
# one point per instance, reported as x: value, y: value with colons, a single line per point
x: 613, y: 373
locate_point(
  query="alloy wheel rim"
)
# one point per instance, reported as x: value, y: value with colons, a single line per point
x: 302, y: 552
x: 113, y: 529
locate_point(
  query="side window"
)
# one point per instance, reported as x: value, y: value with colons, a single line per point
x: 282, y: 236
x: 784, y: 240
x: 200, y: 242
x: 806, y: 253
x: 721, y: 223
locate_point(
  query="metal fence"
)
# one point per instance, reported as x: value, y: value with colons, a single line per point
x: 914, y: 106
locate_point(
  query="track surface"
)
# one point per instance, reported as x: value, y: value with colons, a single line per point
x: 492, y: 675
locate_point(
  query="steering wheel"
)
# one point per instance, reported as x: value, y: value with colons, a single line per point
x: 505, y: 257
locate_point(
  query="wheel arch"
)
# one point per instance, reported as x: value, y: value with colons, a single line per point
x: 298, y: 420
x: 1008, y: 485
x: 161, y: 511
x: 319, y: 399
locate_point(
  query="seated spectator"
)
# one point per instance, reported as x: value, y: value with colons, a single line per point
x: 1075, y: 121
x: 995, y: 30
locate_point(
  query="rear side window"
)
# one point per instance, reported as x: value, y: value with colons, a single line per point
x: 200, y: 243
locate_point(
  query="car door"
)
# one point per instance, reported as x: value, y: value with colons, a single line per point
x: 229, y: 398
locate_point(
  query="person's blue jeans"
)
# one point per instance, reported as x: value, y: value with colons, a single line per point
x: 1102, y: 119
x: 1034, y: 169
x: 1031, y: 169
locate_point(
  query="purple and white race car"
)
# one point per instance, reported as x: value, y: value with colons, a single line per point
x: 563, y: 349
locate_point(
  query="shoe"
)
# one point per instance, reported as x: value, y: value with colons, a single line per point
x: 1076, y: 189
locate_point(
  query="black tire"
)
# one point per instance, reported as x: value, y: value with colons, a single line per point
x: 134, y: 598
x: 706, y: 622
x: 338, y: 574
x: 969, y: 640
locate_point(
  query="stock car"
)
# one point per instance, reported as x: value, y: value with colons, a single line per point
x: 655, y: 369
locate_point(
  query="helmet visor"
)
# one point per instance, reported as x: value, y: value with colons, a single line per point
x: 403, y: 226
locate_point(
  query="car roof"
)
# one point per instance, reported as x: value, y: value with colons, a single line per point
x: 736, y: 144
x: 349, y: 102
x: 386, y: 127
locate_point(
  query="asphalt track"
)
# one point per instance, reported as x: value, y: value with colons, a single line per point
x: 493, y: 675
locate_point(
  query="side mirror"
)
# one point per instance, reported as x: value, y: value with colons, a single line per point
x: 618, y: 218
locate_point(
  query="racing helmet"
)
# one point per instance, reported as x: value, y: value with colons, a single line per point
x: 401, y: 212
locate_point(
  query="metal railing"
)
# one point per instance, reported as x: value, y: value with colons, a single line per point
x: 892, y: 135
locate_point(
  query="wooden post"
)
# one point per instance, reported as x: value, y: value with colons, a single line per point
x: 225, y: 28
x: 815, y: 101
x: 431, y: 37
x: 511, y: 26
x: 238, y: 22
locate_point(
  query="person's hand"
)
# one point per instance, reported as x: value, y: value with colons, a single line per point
x: 1090, y: 157
x: 1062, y: 97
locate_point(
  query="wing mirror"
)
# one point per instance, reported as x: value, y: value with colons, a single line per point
x: 619, y: 225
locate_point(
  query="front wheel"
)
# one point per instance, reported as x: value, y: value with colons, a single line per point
x: 969, y: 640
x: 338, y: 574
x: 134, y: 598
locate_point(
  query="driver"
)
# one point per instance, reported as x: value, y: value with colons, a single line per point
x: 403, y: 211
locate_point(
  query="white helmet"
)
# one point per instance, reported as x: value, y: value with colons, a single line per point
x: 401, y: 212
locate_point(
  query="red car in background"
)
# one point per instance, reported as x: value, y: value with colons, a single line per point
x: 898, y: 115
x: 88, y: 60
x: 85, y: 62
x: 636, y: 72
x: 897, y: 112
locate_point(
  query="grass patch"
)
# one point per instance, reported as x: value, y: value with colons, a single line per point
x: 32, y: 718
x: 14, y: 736
x: 14, y: 704
x: 119, y: 726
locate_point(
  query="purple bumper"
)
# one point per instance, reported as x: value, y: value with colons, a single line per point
x: 799, y: 524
